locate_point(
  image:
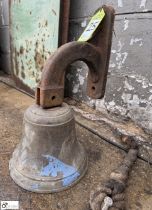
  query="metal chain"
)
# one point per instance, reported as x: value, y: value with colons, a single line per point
x: 111, y: 195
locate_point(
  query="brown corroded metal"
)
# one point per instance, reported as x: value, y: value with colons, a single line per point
x: 64, y: 21
x: 95, y: 54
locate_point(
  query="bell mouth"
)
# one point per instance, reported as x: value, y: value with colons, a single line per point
x: 65, y: 177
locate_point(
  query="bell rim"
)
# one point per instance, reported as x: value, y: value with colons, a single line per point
x: 44, y: 178
x: 23, y: 181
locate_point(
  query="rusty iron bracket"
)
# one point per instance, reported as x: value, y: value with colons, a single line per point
x: 95, y: 53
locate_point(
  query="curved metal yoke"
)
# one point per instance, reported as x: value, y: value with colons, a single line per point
x: 95, y: 53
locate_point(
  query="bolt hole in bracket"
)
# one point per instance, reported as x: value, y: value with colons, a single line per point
x: 95, y: 53
x: 53, y: 97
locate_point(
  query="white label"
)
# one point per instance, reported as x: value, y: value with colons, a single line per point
x: 9, y: 205
x: 92, y: 26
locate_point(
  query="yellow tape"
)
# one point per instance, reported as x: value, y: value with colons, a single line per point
x: 92, y: 26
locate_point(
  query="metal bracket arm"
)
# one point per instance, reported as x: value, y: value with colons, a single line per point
x: 95, y: 54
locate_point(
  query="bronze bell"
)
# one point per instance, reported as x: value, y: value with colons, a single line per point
x: 50, y: 158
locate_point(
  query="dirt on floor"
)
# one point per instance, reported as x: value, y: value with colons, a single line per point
x: 103, y: 158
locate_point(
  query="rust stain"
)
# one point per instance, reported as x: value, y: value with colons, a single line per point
x: 39, y: 57
x: 46, y: 23
x: 39, y: 60
x: 22, y: 70
x: 54, y: 12
x: 23, y: 74
x: 21, y: 50
x: 16, y: 62
x: 36, y: 44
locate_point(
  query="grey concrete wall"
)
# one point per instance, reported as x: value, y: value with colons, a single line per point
x: 129, y: 85
x: 86, y: 8
x: 5, y: 58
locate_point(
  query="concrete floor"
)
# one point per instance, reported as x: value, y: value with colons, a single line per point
x: 103, y: 158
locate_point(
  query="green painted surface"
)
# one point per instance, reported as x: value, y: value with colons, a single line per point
x: 34, y: 32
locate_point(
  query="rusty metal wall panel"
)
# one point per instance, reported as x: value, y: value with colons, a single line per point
x: 34, y: 37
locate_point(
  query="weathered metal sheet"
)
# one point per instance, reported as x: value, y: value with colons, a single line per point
x: 34, y: 37
x: 4, y: 37
x: 4, y: 13
x: 86, y: 8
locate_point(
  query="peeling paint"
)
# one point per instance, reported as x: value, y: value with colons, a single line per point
x: 125, y: 54
x: 134, y: 102
x: 150, y: 98
x: 83, y: 24
x: 120, y: 45
x: 91, y: 102
x: 126, y: 24
x: 144, y: 84
x: 116, y: 109
x: 120, y: 56
x: 112, y: 65
x: 140, y: 79
x: 81, y: 79
x: 113, y: 51
x: 112, y: 103
x: 120, y: 3
x: 119, y: 89
x: 100, y: 104
x: 75, y: 88
x: 79, y: 69
x: 128, y: 86
x: 69, y: 76
x: 131, y: 100
x: 126, y: 97
x: 143, y: 3
x: 136, y: 40
x: 143, y: 101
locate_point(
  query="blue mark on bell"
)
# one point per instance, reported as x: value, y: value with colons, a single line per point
x: 35, y: 186
x: 56, y: 168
